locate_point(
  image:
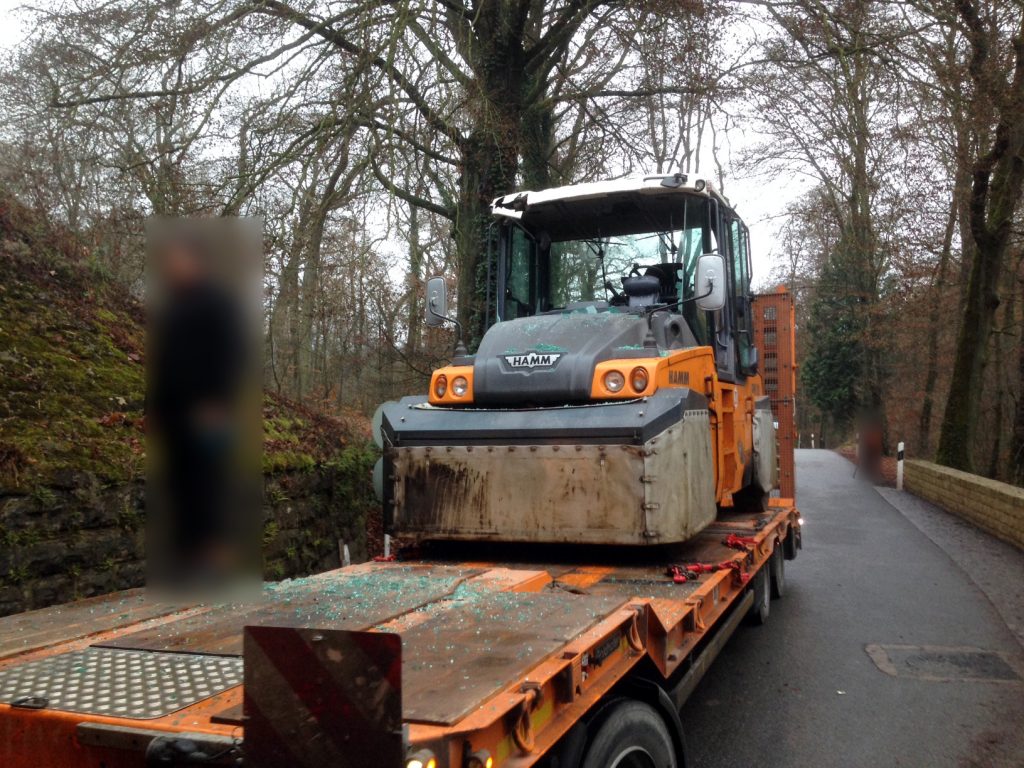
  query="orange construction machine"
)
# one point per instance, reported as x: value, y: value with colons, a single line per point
x: 594, y: 412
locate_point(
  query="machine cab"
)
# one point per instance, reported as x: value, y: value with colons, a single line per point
x: 627, y: 246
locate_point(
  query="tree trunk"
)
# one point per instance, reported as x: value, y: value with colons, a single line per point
x: 956, y: 441
x: 935, y: 314
x: 997, y: 179
x: 489, y: 155
x: 488, y: 170
x: 538, y: 146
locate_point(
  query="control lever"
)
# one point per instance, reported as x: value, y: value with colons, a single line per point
x: 609, y: 287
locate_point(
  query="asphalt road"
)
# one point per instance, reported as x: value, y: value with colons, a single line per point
x: 943, y: 684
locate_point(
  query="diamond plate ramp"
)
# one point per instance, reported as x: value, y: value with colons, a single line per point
x: 458, y: 659
x: 119, y: 683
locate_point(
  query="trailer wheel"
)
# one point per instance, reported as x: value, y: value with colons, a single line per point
x: 791, y: 543
x: 631, y: 735
x: 761, y: 587
x: 778, y: 569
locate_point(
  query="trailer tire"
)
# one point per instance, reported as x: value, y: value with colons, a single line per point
x: 791, y: 543
x: 631, y: 735
x: 760, y: 585
x: 778, y: 573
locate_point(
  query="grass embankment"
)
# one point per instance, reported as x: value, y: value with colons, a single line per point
x: 72, y: 373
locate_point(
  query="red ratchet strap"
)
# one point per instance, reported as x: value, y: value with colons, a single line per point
x: 679, y: 575
x: 382, y: 559
x: 742, y: 543
x: 691, y: 572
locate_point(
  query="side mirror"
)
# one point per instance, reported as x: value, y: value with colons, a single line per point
x: 436, y: 310
x: 710, y: 282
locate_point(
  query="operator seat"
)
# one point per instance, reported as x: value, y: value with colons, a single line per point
x: 642, y: 290
x: 667, y: 275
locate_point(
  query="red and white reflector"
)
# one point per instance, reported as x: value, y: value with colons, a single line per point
x: 322, y: 697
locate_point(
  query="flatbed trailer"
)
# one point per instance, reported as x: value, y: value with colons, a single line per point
x: 506, y: 662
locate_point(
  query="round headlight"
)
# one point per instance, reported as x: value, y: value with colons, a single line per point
x: 638, y: 379
x: 614, y: 381
x: 440, y: 385
x: 459, y: 386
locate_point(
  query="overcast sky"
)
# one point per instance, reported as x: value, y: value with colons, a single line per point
x: 11, y: 30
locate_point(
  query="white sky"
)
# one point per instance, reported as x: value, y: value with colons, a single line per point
x: 759, y: 203
x: 11, y: 26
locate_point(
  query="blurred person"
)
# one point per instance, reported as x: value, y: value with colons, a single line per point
x: 870, y: 448
x: 199, y: 363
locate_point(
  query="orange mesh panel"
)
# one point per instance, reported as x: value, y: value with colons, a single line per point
x: 774, y: 326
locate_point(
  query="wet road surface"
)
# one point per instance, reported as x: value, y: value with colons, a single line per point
x: 883, y: 651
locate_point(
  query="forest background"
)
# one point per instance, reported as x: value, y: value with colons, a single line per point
x: 875, y: 148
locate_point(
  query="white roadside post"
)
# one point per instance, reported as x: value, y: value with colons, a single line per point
x: 899, y: 466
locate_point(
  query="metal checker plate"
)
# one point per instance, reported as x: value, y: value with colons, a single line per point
x: 120, y: 683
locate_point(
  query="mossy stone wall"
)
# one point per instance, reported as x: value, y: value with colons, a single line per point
x: 77, y: 537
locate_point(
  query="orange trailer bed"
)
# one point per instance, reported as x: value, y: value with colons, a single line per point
x: 497, y: 659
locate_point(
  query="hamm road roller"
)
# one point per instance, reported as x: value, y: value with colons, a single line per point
x: 614, y: 398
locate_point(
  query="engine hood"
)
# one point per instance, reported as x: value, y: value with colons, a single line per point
x: 551, y: 358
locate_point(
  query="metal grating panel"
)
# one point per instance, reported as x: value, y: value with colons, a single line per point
x: 120, y: 683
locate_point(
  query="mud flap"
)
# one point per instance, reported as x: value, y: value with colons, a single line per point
x: 322, y: 697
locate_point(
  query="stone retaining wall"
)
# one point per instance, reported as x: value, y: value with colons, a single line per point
x: 81, y: 538
x: 993, y: 506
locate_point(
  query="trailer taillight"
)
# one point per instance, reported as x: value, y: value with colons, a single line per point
x: 422, y: 759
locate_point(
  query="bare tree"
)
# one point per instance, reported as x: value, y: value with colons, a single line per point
x: 994, y: 33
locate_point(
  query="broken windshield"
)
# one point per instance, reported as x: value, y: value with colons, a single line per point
x: 574, y: 254
x: 579, y: 269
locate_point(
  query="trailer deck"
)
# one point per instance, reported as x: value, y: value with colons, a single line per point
x: 500, y: 656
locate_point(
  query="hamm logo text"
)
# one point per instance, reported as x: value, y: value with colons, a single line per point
x: 533, y: 360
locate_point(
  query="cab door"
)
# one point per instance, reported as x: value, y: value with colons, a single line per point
x: 740, y: 298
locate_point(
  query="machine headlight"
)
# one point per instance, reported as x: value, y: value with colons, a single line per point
x: 614, y: 381
x: 481, y: 759
x: 460, y: 386
x: 638, y: 379
x: 440, y: 385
